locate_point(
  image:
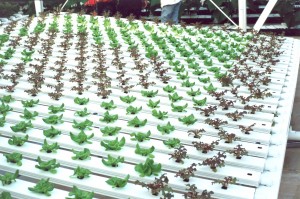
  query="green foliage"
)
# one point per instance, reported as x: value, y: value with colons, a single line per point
x: 4, y: 109
x: 149, y: 94
x: 166, y: 129
x: 210, y: 88
x: 179, y: 108
x: 183, y: 76
x: 113, y: 145
x: 15, y: 158
x: 56, y: 109
x: 204, y: 80
x: 51, y: 133
x: 81, y: 173
x: 199, y: 102
x: 136, y: 122
x: 188, y: 120
x: 112, y: 162
x: 82, y: 125
x: 80, y: 194
x: 42, y: 187
x: 81, y: 137
x: 128, y: 99
x: 148, y: 168
x: 193, y: 93
x: 8, y: 178
x: 140, y: 137
x: 81, y: 155
x: 109, y: 118
x: 53, y: 119
x: 5, y: 195
x: 175, y: 97
x: 18, y: 141
x: 21, y: 127
x: 172, y: 143
x: 49, y: 148
x: 208, y: 62
x: 133, y: 110
x: 29, y: 115
x: 81, y: 101
x: 199, y: 72
x: 2, y: 121
x: 144, y: 151
x: 169, y: 89
x: 82, y: 113
x: 160, y: 114
x: 188, y: 84
x: 110, y: 131
x: 30, y: 103
x: 108, y: 105
x: 153, y: 104
x: 118, y: 182
x: 7, y: 99
x: 50, y: 165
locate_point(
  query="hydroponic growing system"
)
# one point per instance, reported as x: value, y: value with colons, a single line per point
x: 95, y: 107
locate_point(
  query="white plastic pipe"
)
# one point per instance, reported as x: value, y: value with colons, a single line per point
x: 243, y: 15
x: 64, y: 5
x: 38, y: 7
x: 294, y: 135
x: 264, y: 15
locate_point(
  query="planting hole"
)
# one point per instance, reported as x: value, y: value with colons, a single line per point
x: 257, y: 142
x: 259, y: 147
x: 95, y: 113
x: 249, y: 174
x: 263, y: 124
x: 269, y: 106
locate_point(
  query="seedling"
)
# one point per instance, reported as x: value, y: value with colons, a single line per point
x: 253, y: 108
x: 15, y: 158
x: 2, y: 121
x: 188, y: 84
x: 81, y: 173
x: 175, y: 97
x: 78, y: 193
x: 179, y: 154
x: 218, y: 95
x: 56, y: 109
x: 82, y: 155
x: 166, y: 129
x: 42, y: 187
x: 210, y: 88
x: 186, y: 173
x: 136, y: 122
x: 228, y: 137
x: 22, y: 126
x: 29, y: 115
x: 148, y: 168
x: 215, y: 161
x: 87, y: 124
x: 108, y: 105
x: 82, y: 113
x: 49, y: 148
x: 193, y: 194
x: 128, y: 99
x: 204, y: 80
x: 140, y: 137
x: 113, y: 145
x: 246, y: 129
x: 51, y: 133
x: 179, y: 109
x: 245, y: 99
x: 201, y: 102
x: 188, y: 120
x: 18, y: 141
x: 133, y: 110
x: 81, y: 101
x: 196, y: 133
x: 110, y: 131
x: 205, y: 147
x: 238, y: 151
x: 160, y: 114
x: 81, y: 137
x: 193, y: 93
x: 225, y: 104
x: 216, y: 123
x: 4, y: 109
x: 118, y: 182
x: 6, y: 98
x: 54, y: 119
x: 169, y: 89
x: 5, y: 195
x: 182, y: 76
x: 29, y: 103
x: 8, y: 178
x: 225, y: 182
x: 144, y: 151
x: 153, y: 104
x: 50, y: 165
x: 149, y: 94
x: 112, y: 162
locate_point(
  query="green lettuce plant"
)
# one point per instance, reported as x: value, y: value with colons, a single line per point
x: 76, y: 193
x: 42, y: 187
x: 210, y: 88
x: 18, y: 141
x: 188, y: 84
x: 133, y: 110
x: 51, y: 133
x: 193, y: 93
x: 160, y: 114
x: 201, y: 102
x: 118, y: 182
x: 153, y: 104
x: 4, y: 109
x: 179, y: 109
x: 113, y: 145
x: 8, y: 178
x: 188, y: 120
x: 81, y: 101
x: 7, y: 99
x: 81, y: 173
x: 50, y: 165
x: 5, y: 195
x: 166, y: 129
x: 136, y: 122
x: 53, y: 119
x: 82, y: 113
x: 2, y: 121
x: 112, y: 162
x: 108, y: 105
x: 22, y: 126
x: 144, y: 151
x: 182, y: 76
x: 85, y: 154
x: 110, y: 131
x: 128, y: 99
x: 179, y: 69
x: 56, y: 109
x: 30, y: 103
x: 148, y: 168
x: 49, y: 148
x: 204, y: 80
x: 140, y: 137
x: 149, y: 94
x: 172, y: 143
x: 15, y: 158
x: 169, y: 89
x: 82, y: 125
x: 199, y: 72
x: 109, y: 118
x: 29, y: 115
x: 175, y: 97
x: 81, y: 137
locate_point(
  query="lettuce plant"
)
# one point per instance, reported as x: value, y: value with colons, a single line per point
x: 133, y: 110
x: 49, y: 148
x: 128, y: 99
x: 30, y: 103
x: 188, y: 84
x: 136, y: 122
x: 50, y: 165
x: 148, y: 168
x: 108, y: 105
x: 81, y: 173
x: 193, y: 93
x: 109, y: 118
x: 81, y: 137
x: 166, y: 129
x: 210, y: 88
x: 82, y: 113
x: 110, y: 131
x: 81, y: 101
x: 80, y: 194
x: 53, y: 119
x: 15, y: 158
x: 8, y: 178
x: 153, y: 104
x: 51, y: 133
x: 169, y: 89
x: 140, y: 137
x: 82, y: 125
x: 214, y: 69
x: 149, y: 94
x: 118, y: 182
x: 6, y: 99
x: 112, y: 162
x: 201, y: 102
x: 29, y: 115
x: 160, y: 114
x: 42, y: 187
x: 56, y: 109
x: 199, y: 72
x: 175, y: 97
x: 2, y: 121
x: 18, y: 141
x: 225, y: 182
x: 4, y: 109
x: 144, y: 151
x: 21, y: 126
x: 188, y: 120
x: 85, y: 154
x: 113, y: 145
x: 172, y: 143
x: 179, y: 69
x: 179, y: 108
x: 183, y: 76
x: 5, y: 195
x: 204, y: 80
x: 179, y: 154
